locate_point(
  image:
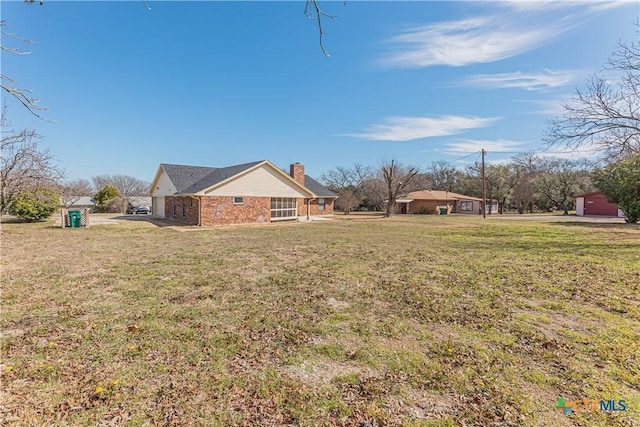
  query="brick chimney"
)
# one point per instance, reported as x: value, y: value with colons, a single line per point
x: 297, y: 172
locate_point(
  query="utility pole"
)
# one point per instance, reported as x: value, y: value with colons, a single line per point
x: 484, y: 188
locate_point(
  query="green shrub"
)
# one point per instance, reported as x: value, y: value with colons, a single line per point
x: 425, y: 210
x: 104, y: 196
x: 620, y: 182
x: 35, y: 205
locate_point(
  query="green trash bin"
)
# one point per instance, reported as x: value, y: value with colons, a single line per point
x: 75, y: 219
x: 443, y: 211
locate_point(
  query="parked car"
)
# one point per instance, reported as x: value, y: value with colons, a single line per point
x: 131, y: 211
x: 143, y: 210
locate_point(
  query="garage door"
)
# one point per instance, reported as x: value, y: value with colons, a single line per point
x: 158, y: 206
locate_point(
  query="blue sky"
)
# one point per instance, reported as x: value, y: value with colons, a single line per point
x: 221, y: 83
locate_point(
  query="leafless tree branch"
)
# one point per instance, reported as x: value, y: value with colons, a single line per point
x: 312, y: 10
x: 8, y: 85
x: 396, y: 177
x: 23, y: 165
x: 606, y: 114
x: 72, y: 191
x: 347, y: 182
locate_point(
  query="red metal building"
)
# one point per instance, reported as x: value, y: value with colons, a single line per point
x: 595, y: 204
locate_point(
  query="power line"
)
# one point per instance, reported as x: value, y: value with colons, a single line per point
x: 463, y: 157
x: 479, y: 153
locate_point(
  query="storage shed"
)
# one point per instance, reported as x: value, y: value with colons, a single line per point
x: 596, y: 204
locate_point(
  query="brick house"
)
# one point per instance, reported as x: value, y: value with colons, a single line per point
x: 254, y: 192
x: 431, y: 201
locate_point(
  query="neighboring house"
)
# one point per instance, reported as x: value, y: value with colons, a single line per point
x: 595, y: 204
x: 82, y: 203
x: 248, y: 193
x: 432, y: 201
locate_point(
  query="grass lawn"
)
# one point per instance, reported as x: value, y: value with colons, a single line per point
x: 421, y: 321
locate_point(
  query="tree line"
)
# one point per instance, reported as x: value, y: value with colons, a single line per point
x: 529, y: 182
x: 32, y: 184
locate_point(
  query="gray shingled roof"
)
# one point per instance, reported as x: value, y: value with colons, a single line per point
x: 192, y: 179
x: 316, y: 188
x: 183, y: 176
x: 213, y: 177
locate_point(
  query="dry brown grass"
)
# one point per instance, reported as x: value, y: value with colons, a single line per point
x: 416, y: 320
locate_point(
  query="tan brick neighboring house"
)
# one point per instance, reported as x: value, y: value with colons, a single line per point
x: 432, y: 201
x: 254, y: 192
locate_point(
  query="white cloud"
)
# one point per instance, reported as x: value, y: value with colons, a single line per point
x: 410, y: 128
x: 545, y: 5
x: 500, y: 161
x: 547, y: 107
x: 477, y: 40
x: 528, y: 81
x: 585, y: 151
x: 467, y: 146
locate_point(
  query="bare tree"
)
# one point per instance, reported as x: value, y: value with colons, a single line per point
x: 527, y: 166
x: 23, y: 165
x: 373, y: 194
x: 128, y: 187
x: 9, y: 85
x: 606, y: 115
x: 72, y: 191
x: 396, y: 177
x: 501, y: 180
x: 445, y: 177
x: 558, y: 180
x: 422, y: 181
x: 347, y: 182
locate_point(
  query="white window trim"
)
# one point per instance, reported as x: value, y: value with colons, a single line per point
x: 235, y: 202
x: 465, y: 202
x: 293, y: 209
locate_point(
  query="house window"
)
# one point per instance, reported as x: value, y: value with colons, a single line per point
x: 238, y: 200
x: 321, y: 204
x: 466, y: 206
x: 175, y: 206
x: 190, y: 202
x: 184, y: 207
x: 283, y: 208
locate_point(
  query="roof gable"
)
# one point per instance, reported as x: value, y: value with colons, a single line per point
x: 236, y: 179
x: 202, y: 180
x: 216, y: 176
x: 263, y: 180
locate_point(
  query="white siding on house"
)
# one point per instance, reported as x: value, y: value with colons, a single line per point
x: 580, y: 206
x: 261, y: 182
x: 164, y: 187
